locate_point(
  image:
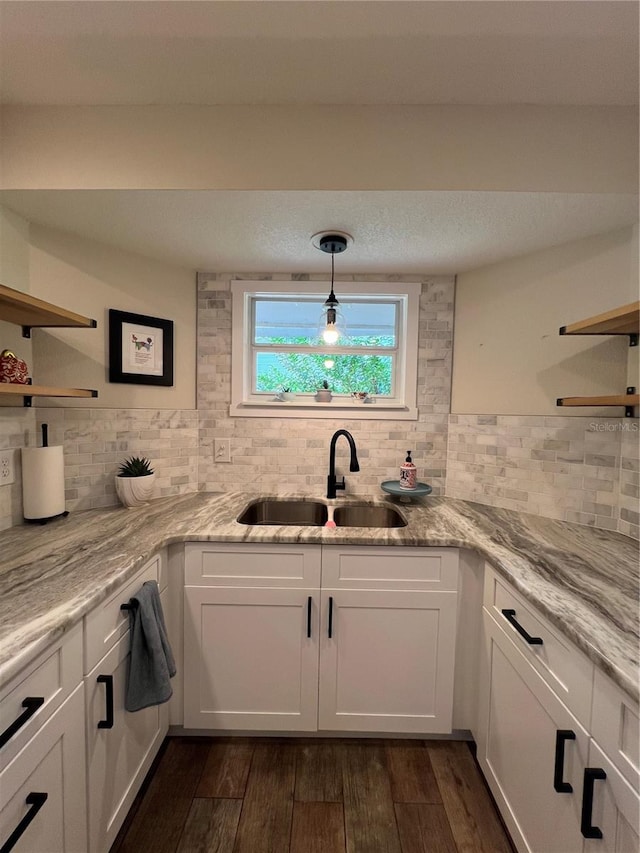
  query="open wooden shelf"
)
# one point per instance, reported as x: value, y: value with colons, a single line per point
x: 24, y: 310
x: 619, y: 321
x: 626, y: 400
x: 29, y: 312
x: 29, y: 391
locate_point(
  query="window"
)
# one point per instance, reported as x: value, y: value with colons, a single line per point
x: 277, y: 347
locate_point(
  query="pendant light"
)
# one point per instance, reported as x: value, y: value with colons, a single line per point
x: 332, y: 326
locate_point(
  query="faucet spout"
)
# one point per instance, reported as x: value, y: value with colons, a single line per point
x: 332, y: 483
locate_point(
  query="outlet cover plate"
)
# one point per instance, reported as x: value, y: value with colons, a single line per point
x: 221, y: 450
x: 7, y: 467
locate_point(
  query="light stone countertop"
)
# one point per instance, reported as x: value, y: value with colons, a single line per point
x: 584, y: 580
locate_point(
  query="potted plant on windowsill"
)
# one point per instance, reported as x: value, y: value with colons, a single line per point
x: 134, y: 481
x: 323, y: 394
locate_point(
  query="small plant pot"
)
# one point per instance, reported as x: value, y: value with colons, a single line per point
x: 323, y: 396
x: 287, y: 396
x: 135, y: 491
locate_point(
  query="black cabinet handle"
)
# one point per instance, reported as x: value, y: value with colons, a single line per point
x: 309, y: 602
x: 31, y: 703
x: 330, y: 631
x: 107, y: 680
x: 36, y: 801
x: 562, y: 735
x: 586, y: 827
x: 510, y: 616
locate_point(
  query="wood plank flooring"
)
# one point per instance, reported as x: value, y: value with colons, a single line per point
x: 259, y: 795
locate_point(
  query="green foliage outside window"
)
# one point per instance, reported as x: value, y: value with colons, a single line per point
x: 304, y: 373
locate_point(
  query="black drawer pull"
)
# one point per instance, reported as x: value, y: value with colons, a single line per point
x: 31, y: 703
x: 586, y: 827
x: 562, y: 787
x: 330, y: 631
x: 36, y: 801
x: 309, y: 603
x: 107, y: 680
x: 510, y: 616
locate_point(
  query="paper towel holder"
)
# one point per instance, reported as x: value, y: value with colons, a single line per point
x: 39, y: 507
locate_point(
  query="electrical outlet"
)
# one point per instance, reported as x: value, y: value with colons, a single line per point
x: 221, y: 450
x: 7, y: 469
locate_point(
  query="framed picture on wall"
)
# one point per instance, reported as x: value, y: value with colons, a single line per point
x: 140, y: 349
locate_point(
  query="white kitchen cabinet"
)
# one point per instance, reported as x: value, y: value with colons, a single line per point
x: 251, y: 658
x: 254, y: 653
x: 530, y: 745
x: 614, y: 816
x: 120, y: 745
x: 387, y: 660
x: 46, y: 781
x: 615, y: 726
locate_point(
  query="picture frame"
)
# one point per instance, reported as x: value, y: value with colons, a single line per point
x: 140, y: 349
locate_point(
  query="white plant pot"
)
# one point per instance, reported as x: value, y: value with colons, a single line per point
x: 135, y: 491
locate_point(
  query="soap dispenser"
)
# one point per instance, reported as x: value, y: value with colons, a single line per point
x: 408, y: 473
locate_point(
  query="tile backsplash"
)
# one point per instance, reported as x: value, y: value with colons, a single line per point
x: 96, y: 441
x: 17, y: 430
x: 576, y: 469
x: 272, y: 454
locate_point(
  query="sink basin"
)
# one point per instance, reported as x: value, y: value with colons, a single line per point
x: 301, y: 513
x: 362, y: 515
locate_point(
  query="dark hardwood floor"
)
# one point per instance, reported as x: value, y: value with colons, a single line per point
x: 258, y: 795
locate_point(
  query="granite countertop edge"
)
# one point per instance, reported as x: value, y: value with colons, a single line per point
x: 580, y: 578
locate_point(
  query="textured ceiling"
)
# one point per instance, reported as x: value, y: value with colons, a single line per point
x: 334, y: 52
x: 400, y: 232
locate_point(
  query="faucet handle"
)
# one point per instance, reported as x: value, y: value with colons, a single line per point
x: 340, y: 484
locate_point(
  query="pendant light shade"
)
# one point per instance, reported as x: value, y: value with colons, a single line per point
x: 332, y: 326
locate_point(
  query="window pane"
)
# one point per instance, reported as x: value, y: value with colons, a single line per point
x: 304, y: 374
x: 368, y: 324
x: 279, y: 321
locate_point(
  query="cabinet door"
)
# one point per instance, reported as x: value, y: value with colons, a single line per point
x: 387, y: 660
x: 52, y: 764
x: 249, y: 663
x: 615, y: 809
x: 520, y: 718
x: 118, y: 757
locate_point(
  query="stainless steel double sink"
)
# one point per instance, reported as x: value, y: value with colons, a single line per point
x: 308, y: 513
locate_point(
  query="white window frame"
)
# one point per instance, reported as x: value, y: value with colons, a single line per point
x: 401, y: 407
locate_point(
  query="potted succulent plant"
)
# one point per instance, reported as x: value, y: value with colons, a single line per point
x: 323, y: 394
x: 134, y: 481
x: 286, y: 393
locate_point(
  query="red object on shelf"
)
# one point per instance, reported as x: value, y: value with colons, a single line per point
x: 13, y: 369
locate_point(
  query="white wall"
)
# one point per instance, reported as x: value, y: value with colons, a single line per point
x: 89, y: 278
x: 526, y: 148
x: 14, y: 273
x: 508, y: 357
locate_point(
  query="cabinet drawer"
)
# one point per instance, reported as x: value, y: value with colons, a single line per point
x: 107, y: 623
x: 355, y: 567
x: 565, y: 669
x: 52, y: 676
x: 252, y: 564
x: 616, y: 727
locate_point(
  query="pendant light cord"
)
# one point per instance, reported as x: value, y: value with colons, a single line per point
x: 332, y: 297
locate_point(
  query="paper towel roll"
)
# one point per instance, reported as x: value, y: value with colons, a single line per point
x: 42, y: 482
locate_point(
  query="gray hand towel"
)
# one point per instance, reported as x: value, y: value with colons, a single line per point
x: 151, y: 662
